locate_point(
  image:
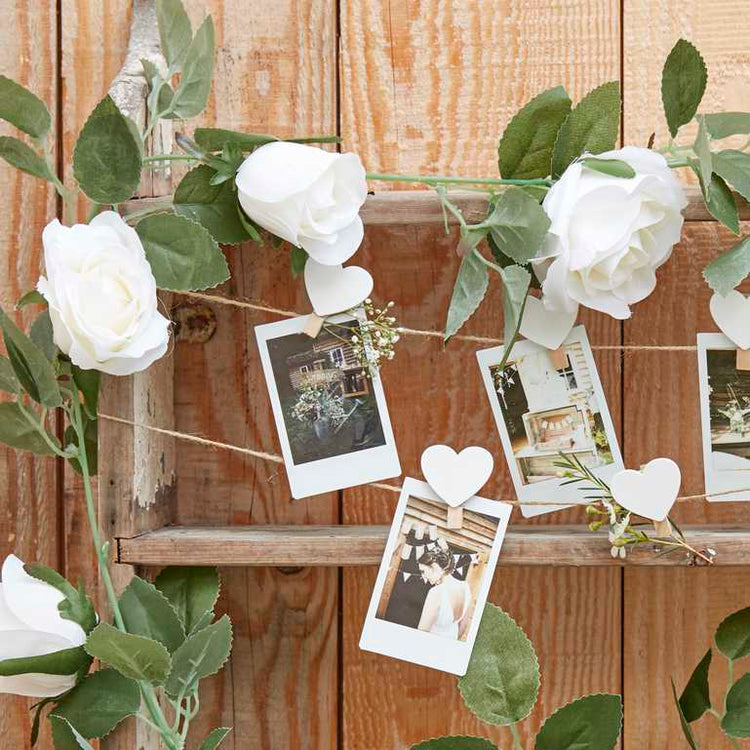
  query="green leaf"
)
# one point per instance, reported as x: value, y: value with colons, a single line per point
x: 23, y: 157
x: 695, y: 699
x: 100, y: 702
x: 65, y: 662
x: 31, y: 298
x: 516, y: 281
x: 201, y: 655
x: 132, y: 655
x: 91, y: 444
x: 8, y: 380
x: 213, y: 206
x: 725, y: 272
x: 611, y: 167
x: 214, y: 139
x: 37, y: 708
x: 518, y: 225
x: 147, y: 612
x: 182, y: 253
x: 736, y: 721
x: 471, y: 286
x: 298, y: 260
x: 683, y: 81
x: 25, y: 110
x: 734, y: 167
x: 720, y: 202
x: 702, y: 148
x: 76, y: 606
x: 16, y: 431
x: 589, y: 723
x: 192, y: 592
x: 455, y: 743
x: 502, y: 681
x: 686, y: 730
x: 65, y: 736
x: 592, y: 127
x: 88, y: 382
x: 30, y: 365
x: 41, y: 334
x: 175, y: 31
x: 723, y: 124
x: 525, y: 150
x: 215, y: 738
x: 107, y: 156
x: 191, y: 95
x: 733, y: 634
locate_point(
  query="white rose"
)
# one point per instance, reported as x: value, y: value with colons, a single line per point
x: 306, y: 196
x: 609, y: 235
x: 102, y: 296
x: 30, y: 625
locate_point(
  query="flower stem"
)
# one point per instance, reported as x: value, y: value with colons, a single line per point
x: 516, y: 736
x: 447, y: 180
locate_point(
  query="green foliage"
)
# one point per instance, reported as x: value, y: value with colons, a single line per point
x: 19, y: 155
x: 298, y: 260
x: 736, y: 720
x: 214, y: 139
x: 213, y: 206
x: 502, y: 681
x: 18, y: 432
x: 182, y: 253
x: 107, y: 155
x: 91, y: 441
x: 30, y: 365
x: 202, y: 654
x: 76, y: 606
x: 516, y: 281
x: 525, y: 150
x: 31, y: 298
x: 468, y: 292
x: 589, y: 723
x: 725, y: 272
x: 100, y: 702
x: 87, y: 382
x: 66, y: 661
x: 611, y: 167
x: 215, y: 738
x: 723, y: 124
x: 175, y: 31
x: 42, y: 335
x: 24, y: 110
x: 686, y: 730
x: 455, y: 743
x: 8, y: 380
x: 702, y: 148
x: 734, y: 168
x: 720, y: 203
x: 65, y: 736
x: 695, y: 699
x: 147, y: 612
x: 192, y: 592
x: 191, y: 94
x: 592, y: 127
x: 683, y: 81
x: 733, y: 635
x: 133, y: 656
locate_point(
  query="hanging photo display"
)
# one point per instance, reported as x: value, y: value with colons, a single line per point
x: 547, y: 405
x: 330, y: 410
x: 725, y: 418
x: 433, y: 579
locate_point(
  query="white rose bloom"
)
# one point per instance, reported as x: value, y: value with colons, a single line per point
x: 30, y: 625
x: 608, y: 235
x: 102, y: 296
x: 306, y: 196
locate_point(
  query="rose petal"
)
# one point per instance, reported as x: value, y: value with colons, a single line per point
x: 346, y: 243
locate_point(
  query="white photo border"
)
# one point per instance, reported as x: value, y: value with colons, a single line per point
x: 416, y: 646
x: 716, y: 481
x: 551, y: 490
x: 336, y: 472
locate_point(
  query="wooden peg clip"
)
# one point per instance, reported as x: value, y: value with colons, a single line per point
x: 559, y: 358
x: 743, y: 359
x: 455, y: 518
x: 663, y: 528
x: 313, y: 325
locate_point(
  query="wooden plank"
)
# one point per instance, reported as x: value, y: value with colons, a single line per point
x: 664, y: 385
x: 30, y: 504
x: 345, y: 545
x: 275, y: 71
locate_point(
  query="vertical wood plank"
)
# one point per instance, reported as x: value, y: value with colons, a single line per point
x: 30, y: 512
x: 275, y: 71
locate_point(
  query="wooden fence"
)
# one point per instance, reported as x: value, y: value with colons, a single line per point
x: 413, y: 86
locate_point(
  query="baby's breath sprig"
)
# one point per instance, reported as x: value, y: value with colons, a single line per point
x: 604, y: 510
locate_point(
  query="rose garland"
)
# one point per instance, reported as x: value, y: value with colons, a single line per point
x: 558, y: 169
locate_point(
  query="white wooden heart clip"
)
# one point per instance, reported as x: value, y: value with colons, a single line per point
x: 456, y: 477
x: 650, y: 492
x: 335, y: 289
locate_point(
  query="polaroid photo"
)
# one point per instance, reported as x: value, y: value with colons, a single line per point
x: 546, y: 403
x: 433, y: 581
x: 725, y: 418
x: 330, y: 413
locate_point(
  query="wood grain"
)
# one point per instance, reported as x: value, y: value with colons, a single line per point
x: 30, y: 510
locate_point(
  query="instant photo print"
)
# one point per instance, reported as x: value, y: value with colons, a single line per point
x: 725, y: 418
x: 433, y: 579
x: 330, y: 412
x: 545, y: 405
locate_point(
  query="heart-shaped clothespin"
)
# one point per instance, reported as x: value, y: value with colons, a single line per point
x: 650, y: 492
x: 546, y: 327
x: 456, y: 477
x: 731, y: 312
x: 335, y: 289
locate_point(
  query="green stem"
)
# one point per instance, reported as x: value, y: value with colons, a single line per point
x: 447, y: 180
x: 486, y: 262
x: 516, y: 736
x: 39, y: 427
x: 168, y: 157
x: 153, y: 209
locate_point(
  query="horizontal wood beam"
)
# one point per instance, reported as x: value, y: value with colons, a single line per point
x: 363, y: 545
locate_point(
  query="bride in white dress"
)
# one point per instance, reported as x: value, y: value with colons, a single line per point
x: 447, y: 604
